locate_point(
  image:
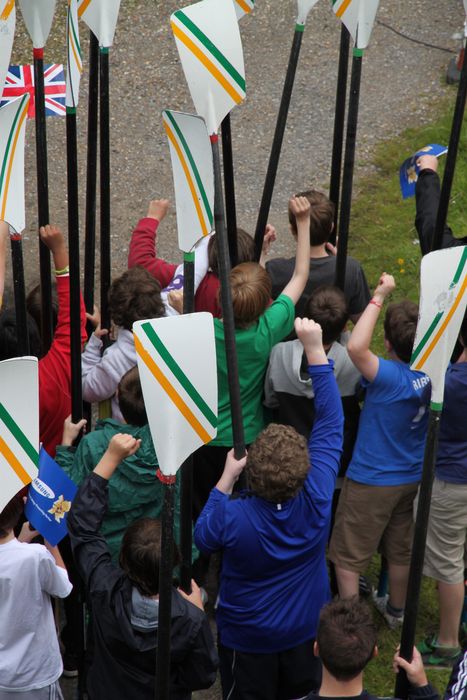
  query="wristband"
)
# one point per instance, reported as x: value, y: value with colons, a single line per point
x: 376, y: 303
x: 63, y: 271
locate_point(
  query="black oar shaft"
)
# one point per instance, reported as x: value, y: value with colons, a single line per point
x: 73, y: 246
x: 20, y: 295
x: 227, y: 310
x: 186, y: 497
x: 451, y: 158
x: 165, y: 596
x: 339, y: 123
x: 418, y: 551
x: 277, y: 141
x: 43, y: 199
x: 229, y: 184
x: 91, y: 176
x: 349, y: 161
x: 105, y: 248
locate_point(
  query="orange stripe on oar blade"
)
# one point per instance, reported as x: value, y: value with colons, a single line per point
x: 442, y: 328
x: 83, y: 7
x: 171, y: 392
x: 246, y: 8
x: 7, y: 9
x: 191, y: 184
x: 12, y: 158
x: 20, y: 472
x: 209, y: 65
x: 343, y: 8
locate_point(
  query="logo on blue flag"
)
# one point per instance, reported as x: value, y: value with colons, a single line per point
x: 409, y: 170
x: 49, y: 500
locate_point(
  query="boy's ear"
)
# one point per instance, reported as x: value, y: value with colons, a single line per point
x: 375, y: 652
x: 316, y: 649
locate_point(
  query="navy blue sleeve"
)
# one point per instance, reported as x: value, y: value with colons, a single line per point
x: 325, y: 444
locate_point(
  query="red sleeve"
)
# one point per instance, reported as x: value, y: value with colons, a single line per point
x: 207, y: 295
x: 142, y: 252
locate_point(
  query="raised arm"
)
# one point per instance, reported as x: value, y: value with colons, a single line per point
x: 142, y: 250
x: 358, y: 346
x: 300, y: 206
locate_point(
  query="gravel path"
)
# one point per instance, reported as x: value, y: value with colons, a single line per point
x: 400, y: 80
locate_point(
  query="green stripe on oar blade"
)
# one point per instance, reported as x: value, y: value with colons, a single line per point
x: 212, y: 48
x: 440, y: 314
x: 179, y: 374
x: 194, y: 168
x: 8, y: 145
x: 18, y: 434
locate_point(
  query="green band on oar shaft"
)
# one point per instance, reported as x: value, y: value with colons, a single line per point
x: 299, y: 27
x: 179, y: 374
x: 189, y: 257
x: 71, y: 110
x: 435, y: 406
x: 18, y: 434
x: 358, y: 53
x: 104, y: 49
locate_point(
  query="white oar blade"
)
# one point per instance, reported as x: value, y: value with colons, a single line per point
x: 7, y: 33
x: 38, y: 16
x: 12, y: 131
x: 244, y: 7
x: 442, y: 307
x: 193, y: 174
x: 359, y: 18
x: 177, y: 365
x: 101, y: 16
x: 74, y: 59
x: 304, y: 7
x: 19, y: 425
x: 210, y: 48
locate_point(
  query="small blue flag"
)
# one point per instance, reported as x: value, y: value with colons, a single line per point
x: 409, y: 169
x: 49, y: 500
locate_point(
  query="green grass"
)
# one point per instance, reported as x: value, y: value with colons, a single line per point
x: 382, y: 235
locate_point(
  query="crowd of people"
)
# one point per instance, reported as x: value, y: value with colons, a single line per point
x: 334, y: 439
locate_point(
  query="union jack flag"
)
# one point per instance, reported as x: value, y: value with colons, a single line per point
x: 20, y: 79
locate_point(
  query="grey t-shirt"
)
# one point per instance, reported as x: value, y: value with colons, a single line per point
x: 322, y: 272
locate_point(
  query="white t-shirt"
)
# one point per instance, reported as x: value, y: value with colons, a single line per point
x: 29, y: 652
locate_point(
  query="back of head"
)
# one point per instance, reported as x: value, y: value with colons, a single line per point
x: 245, y: 250
x: 140, y: 555
x: 346, y: 638
x: 130, y: 398
x: 328, y: 307
x: 251, y: 292
x: 400, y: 325
x: 321, y: 217
x: 9, y: 336
x: 33, y: 305
x: 135, y: 296
x: 10, y: 515
x: 277, y: 463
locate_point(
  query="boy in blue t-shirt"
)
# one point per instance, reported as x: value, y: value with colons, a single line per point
x: 375, y: 508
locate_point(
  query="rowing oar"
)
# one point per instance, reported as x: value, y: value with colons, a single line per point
x: 451, y: 158
x: 358, y: 16
x: 304, y: 7
x: 242, y: 7
x: 38, y: 20
x: 179, y: 383
x: 91, y: 178
x: 442, y: 308
x: 200, y: 31
x: 12, y: 208
x: 7, y: 33
x: 101, y: 17
x: 339, y: 122
x: 190, y: 152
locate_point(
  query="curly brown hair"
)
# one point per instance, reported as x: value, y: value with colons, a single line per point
x: 135, y: 296
x: 277, y: 463
x: 251, y: 292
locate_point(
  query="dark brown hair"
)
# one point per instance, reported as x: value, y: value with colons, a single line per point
x: 130, y: 398
x: 251, y: 292
x: 277, y: 463
x: 346, y: 637
x: 463, y: 331
x: 10, y: 515
x: 321, y: 216
x: 134, y: 296
x: 34, y: 305
x: 328, y: 307
x: 140, y: 555
x: 400, y: 325
x: 245, y: 250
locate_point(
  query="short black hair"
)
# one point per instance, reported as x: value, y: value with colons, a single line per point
x: 130, y: 398
x: 9, y: 336
x: 10, y: 515
x: 346, y: 637
x: 328, y: 307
